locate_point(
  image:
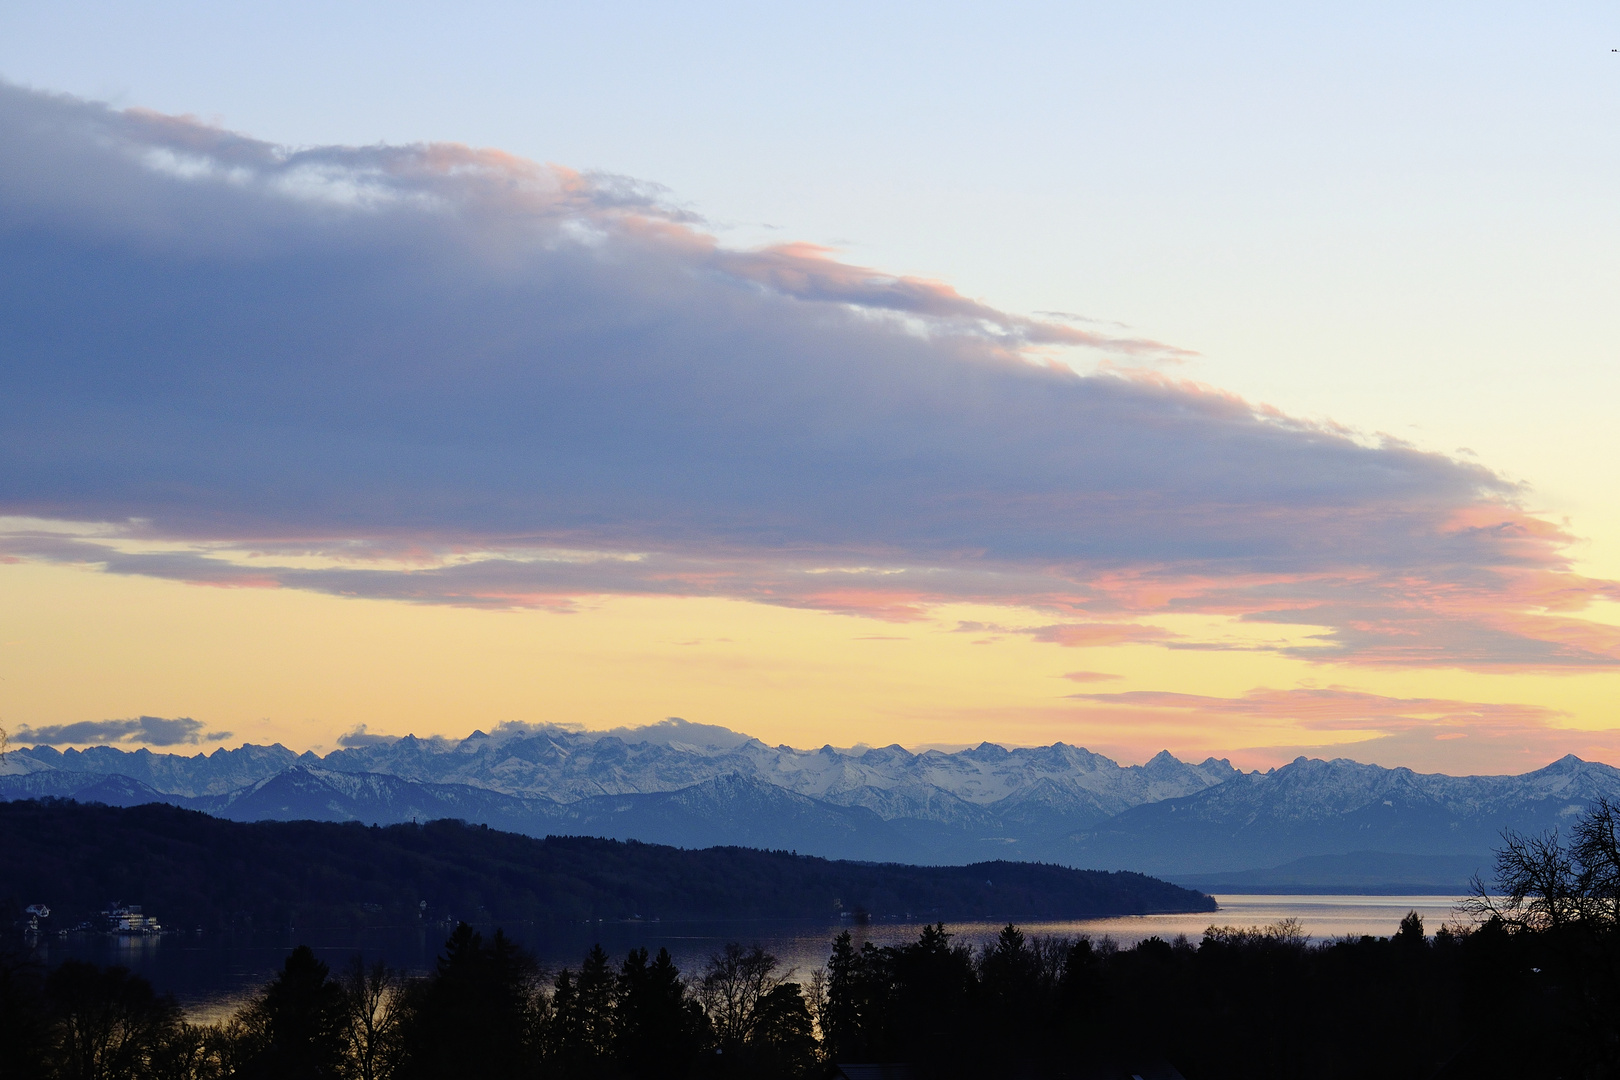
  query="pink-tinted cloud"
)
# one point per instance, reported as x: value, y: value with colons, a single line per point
x: 809, y: 272
x: 1333, y: 709
x: 1086, y: 635
x: 1089, y: 676
x: 445, y: 375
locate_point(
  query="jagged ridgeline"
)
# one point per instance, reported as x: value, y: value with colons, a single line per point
x: 688, y: 785
x: 204, y: 871
x: 1323, y: 826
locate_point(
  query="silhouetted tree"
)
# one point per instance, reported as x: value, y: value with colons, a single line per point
x: 473, y: 1016
x: 659, y: 1028
x: 1556, y: 909
x: 192, y: 1052
x: 932, y: 996
x: 781, y: 1039
x: 815, y: 1002
x: 23, y: 1031
x: 303, y: 1018
x: 760, y: 1022
x: 593, y: 999
x: 1538, y: 885
x: 373, y: 1001
x: 582, y: 1015
x: 561, y: 1040
x: 106, y: 1023
x: 1261, y: 1003
x: 734, y: 981
x: 1011, y: 992
x: 853, y: 1021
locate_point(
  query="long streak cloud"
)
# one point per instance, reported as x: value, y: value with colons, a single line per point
x: 446, y: 375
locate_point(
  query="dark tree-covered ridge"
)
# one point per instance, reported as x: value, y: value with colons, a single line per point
x: 1530, y: 993
x: 196, y: 870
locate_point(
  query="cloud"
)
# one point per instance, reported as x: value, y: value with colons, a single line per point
x: 1440, y: 734
x: 1334, y: 708
x: 361, y: 737
x: 150, y: 730
x: 443, y: 375
x: 676, y: 730
x: 1089, y: 676
x: 668, y: 731
x: 1499, y: 751
x: 1086, y: 635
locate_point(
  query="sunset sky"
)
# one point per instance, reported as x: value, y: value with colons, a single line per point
x: 1232, y: 379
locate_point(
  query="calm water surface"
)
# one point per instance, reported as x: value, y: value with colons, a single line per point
x: 211, y: 976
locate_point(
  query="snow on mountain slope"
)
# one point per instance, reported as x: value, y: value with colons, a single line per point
x: 1311, y: 807
x: 1058, y: 803
x: 567, y: 766
x: 112, y: 789
x: 304, y: 792
x: 173, y: 774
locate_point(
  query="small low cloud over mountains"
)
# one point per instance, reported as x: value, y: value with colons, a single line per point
x: 148, y: 730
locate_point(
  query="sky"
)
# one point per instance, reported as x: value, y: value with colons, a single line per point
x: 1235, y: 379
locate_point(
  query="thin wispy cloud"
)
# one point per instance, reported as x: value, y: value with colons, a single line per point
x: 443, y: 375
x: 1333, y: 708
x: 1084, y: 635
x: 1441, y: 734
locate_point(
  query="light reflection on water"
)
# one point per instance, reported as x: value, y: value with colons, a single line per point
x: 1321, y: 917
x: 211, y: 977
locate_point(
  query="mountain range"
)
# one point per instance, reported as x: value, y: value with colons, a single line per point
x: 1306, y: 826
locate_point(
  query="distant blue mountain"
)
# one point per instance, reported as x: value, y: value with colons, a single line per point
x: 111, y: 789
x: 566, y: 766
x: 305, y: 793
x: 1311, y: 807
x: 1058, y: 803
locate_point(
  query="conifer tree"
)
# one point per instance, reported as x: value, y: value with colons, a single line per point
x: 472, y: 1016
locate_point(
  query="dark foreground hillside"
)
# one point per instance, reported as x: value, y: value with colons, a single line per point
x: 1528, y: 988
x: 193, y: 870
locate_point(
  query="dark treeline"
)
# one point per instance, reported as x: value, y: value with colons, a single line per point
x: 1531, y: 988
x: 1257, y: 1003
x: 485, y: 1011
x: 193, y: 870
x: 1497, y: 1000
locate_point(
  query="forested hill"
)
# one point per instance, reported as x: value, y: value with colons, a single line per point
x: 190, y: 870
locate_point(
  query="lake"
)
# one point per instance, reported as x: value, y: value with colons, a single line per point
x: 211, y: 976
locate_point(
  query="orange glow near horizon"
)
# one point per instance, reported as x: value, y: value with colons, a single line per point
x: 281, y: 665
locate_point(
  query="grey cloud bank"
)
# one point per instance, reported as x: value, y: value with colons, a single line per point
x: 147, y: 730
x: 392, y: 357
